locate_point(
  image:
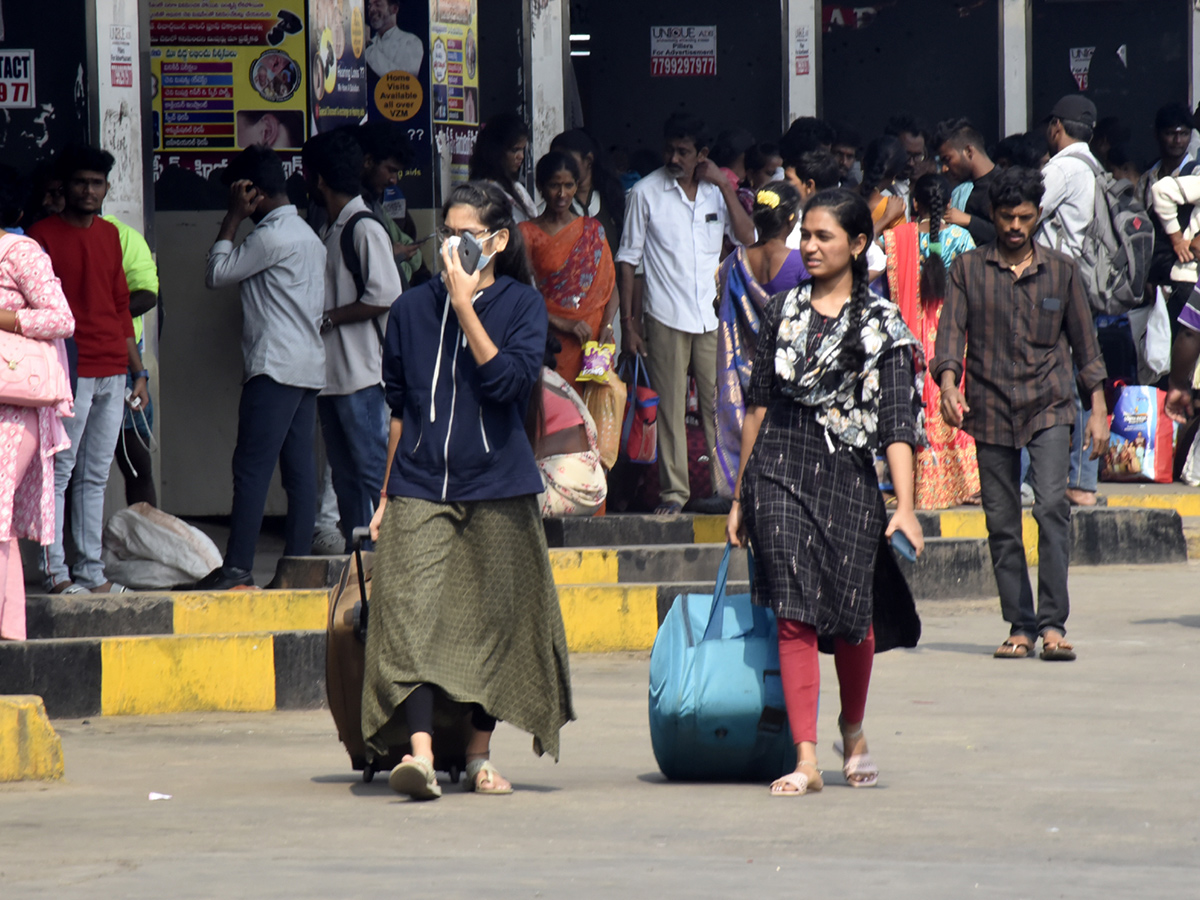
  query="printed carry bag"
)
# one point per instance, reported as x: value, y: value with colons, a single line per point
x: 639, y: 435
x: 716, y: 697
x: 1141, y: 443
x: 605, y: 400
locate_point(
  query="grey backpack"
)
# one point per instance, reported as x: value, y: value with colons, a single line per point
x: 1117, y: 246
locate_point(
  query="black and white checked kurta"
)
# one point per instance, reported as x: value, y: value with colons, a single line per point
x: 816, y: 517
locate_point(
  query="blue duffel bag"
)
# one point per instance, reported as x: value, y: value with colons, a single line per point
x: 716, y: 697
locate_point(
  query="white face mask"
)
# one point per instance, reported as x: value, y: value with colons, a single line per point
x: 484, y: 258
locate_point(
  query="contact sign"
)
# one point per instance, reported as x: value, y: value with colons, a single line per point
x: 16, y: 79
x: 677, y: 50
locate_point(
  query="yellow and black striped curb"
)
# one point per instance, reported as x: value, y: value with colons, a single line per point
x: 30, y: 749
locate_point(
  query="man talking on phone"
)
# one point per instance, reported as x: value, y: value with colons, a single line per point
x: 279, y: 269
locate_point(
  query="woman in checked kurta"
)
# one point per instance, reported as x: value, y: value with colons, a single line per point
x: 836, y: 375
x: 463, y: 603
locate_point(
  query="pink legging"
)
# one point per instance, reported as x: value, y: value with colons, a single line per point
x: 800, y: 670
x: 12, y: 576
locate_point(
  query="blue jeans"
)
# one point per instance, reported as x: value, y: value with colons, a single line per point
x: 355, y: 428
x: 99, y: 411
x: 275, y: 422
x: 1085, y: 472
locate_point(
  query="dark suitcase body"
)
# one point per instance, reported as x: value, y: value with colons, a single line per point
x: 345, y: 663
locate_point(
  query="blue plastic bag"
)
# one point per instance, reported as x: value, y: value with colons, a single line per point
x: 716, y: 699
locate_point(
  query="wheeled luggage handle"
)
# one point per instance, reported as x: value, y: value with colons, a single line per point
x: 357, y: 536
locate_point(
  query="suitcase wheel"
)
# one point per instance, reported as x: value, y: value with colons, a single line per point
x: 455, y: 774
x: 368, y: 773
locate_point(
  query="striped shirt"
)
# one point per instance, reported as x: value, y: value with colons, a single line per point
x: 1019, y: 336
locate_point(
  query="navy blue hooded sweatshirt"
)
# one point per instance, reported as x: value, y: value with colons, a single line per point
x: 464, y: 424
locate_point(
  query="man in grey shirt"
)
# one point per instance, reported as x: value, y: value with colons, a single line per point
x: 280, y: 267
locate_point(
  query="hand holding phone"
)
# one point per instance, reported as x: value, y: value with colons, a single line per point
x: 902, y: 545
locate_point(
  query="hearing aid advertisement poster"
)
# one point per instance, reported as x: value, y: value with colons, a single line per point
x: 226, y: 74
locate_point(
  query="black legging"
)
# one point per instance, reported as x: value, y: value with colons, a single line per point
x: 418, y: 711
x: 132, y: 456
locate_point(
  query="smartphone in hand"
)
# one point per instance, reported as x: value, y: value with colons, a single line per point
x: 469, y: 252
x: 902, y: 545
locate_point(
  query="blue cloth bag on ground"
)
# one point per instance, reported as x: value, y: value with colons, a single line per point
x: 716, y: 698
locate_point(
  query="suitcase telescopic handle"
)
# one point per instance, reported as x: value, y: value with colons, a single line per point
x: 357, y: 536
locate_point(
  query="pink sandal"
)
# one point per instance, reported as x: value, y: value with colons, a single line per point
x: 802, y: 783
x: 860, y: 770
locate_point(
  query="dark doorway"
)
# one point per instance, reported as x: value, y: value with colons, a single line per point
x: 1151, y: 70
x: 933, y: 59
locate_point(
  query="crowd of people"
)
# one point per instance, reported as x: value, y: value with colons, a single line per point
x: 867, y: 330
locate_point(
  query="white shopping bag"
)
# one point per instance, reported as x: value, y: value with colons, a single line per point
x: 1151, y: 329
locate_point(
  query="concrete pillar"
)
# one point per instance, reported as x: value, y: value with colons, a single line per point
x: 1194, y: 44
x: 547, y: 53
x: 802, y: 59
x: 1014, y: 66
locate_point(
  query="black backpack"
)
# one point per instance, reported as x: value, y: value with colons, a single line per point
x: 354, y: 264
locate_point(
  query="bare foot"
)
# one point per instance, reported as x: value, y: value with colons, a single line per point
x: 1076, y: 497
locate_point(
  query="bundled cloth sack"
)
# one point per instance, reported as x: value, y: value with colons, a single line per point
x: 1141, y: 445
x: 148, y: 549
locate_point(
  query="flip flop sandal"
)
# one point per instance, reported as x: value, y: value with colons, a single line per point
x: 1059, y: 651
x: 668, y: 509
x: 415, y: 778
x: 1011, y: 649
x: 859, y: 770
x: 802, y: 783
x: 475, y: 768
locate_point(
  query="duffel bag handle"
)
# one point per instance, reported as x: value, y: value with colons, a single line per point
x: 720, y: 601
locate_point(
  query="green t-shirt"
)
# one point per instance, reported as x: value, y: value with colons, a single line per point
x: 138, y: 262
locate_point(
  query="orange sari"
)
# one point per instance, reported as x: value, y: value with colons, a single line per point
x: 947, y: 472
x: 576, y: 276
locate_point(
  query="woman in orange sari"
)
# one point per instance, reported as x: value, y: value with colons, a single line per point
x: 573, y: 264
x: 946, y: 470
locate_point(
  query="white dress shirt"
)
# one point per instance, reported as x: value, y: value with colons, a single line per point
x: 678, y: 241
x: 1069, y: 204
x: 395, y: 50
x: 280, y: 268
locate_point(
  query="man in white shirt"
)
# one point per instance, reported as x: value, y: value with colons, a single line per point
x: 279, y: 268
x: 1068, y: 208
x: 675, y: 221
x: 391, y: 49
x: 354, y: 415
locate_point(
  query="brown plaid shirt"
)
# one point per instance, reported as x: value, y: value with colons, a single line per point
x: 1018, y: 336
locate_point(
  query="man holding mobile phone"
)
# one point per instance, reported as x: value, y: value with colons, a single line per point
x: 1017, y: 311
x: 361, y: 283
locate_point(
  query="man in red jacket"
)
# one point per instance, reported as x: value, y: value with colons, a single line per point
x: 86, y: 253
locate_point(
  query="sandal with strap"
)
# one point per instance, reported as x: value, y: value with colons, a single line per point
x: 477, y: 767
x: 859, y: 770
x: 416, y: 778
x: 802, y: 783
x: 1011, y: 649
x: 1057, y: 651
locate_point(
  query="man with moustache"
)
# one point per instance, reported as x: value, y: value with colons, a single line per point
x: 675, y: 220
x: 391, y: 49
x: 1019, y: 314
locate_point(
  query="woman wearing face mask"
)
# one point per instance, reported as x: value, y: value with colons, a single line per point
x: 572, y: 263
x: 833, y: 379
x: 464, y: 606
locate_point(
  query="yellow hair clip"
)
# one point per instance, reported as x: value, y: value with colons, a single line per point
x: 767, y: 198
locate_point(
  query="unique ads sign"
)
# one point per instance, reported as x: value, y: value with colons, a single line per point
x: 16, y: 79
x: 681, y: 50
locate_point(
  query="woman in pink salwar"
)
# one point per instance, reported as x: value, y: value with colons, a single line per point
x: 31, y: 304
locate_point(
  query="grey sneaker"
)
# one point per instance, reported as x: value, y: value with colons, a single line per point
x: 328, y: 543
x: 1026, y: 494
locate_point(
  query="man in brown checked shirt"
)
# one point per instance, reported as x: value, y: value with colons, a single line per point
x: 1019, y: 314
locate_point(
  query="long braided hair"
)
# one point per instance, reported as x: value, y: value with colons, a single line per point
x: 932, y: 193
x: 854, y: 216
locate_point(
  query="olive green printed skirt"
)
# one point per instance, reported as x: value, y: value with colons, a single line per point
x: 463, y: 598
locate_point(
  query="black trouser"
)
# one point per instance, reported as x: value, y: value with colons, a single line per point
x: 275, y: 422
x: 418, y: 712
x: 1000, y: 486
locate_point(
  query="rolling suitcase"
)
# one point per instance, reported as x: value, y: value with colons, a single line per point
x: 345, y: 663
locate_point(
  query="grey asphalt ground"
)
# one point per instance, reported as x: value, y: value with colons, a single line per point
x: 1001, y: 779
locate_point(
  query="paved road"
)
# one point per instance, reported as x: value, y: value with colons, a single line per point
x: 1001, y: 779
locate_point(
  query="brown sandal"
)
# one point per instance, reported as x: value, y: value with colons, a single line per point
x: 1011, y: 649
x: 1057, y: 651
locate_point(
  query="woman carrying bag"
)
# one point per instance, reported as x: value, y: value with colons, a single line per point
x: 463, y: 603
x: 833, y: 379
x: 32, y: 308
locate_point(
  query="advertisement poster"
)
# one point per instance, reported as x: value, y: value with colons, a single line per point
x: 16, y: 80
x: 1081, y: 65
x: 677, y: 50
x: 398, y: 89
x: 226, y: 74
x: 337, y: 49
x: 454, y: 77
